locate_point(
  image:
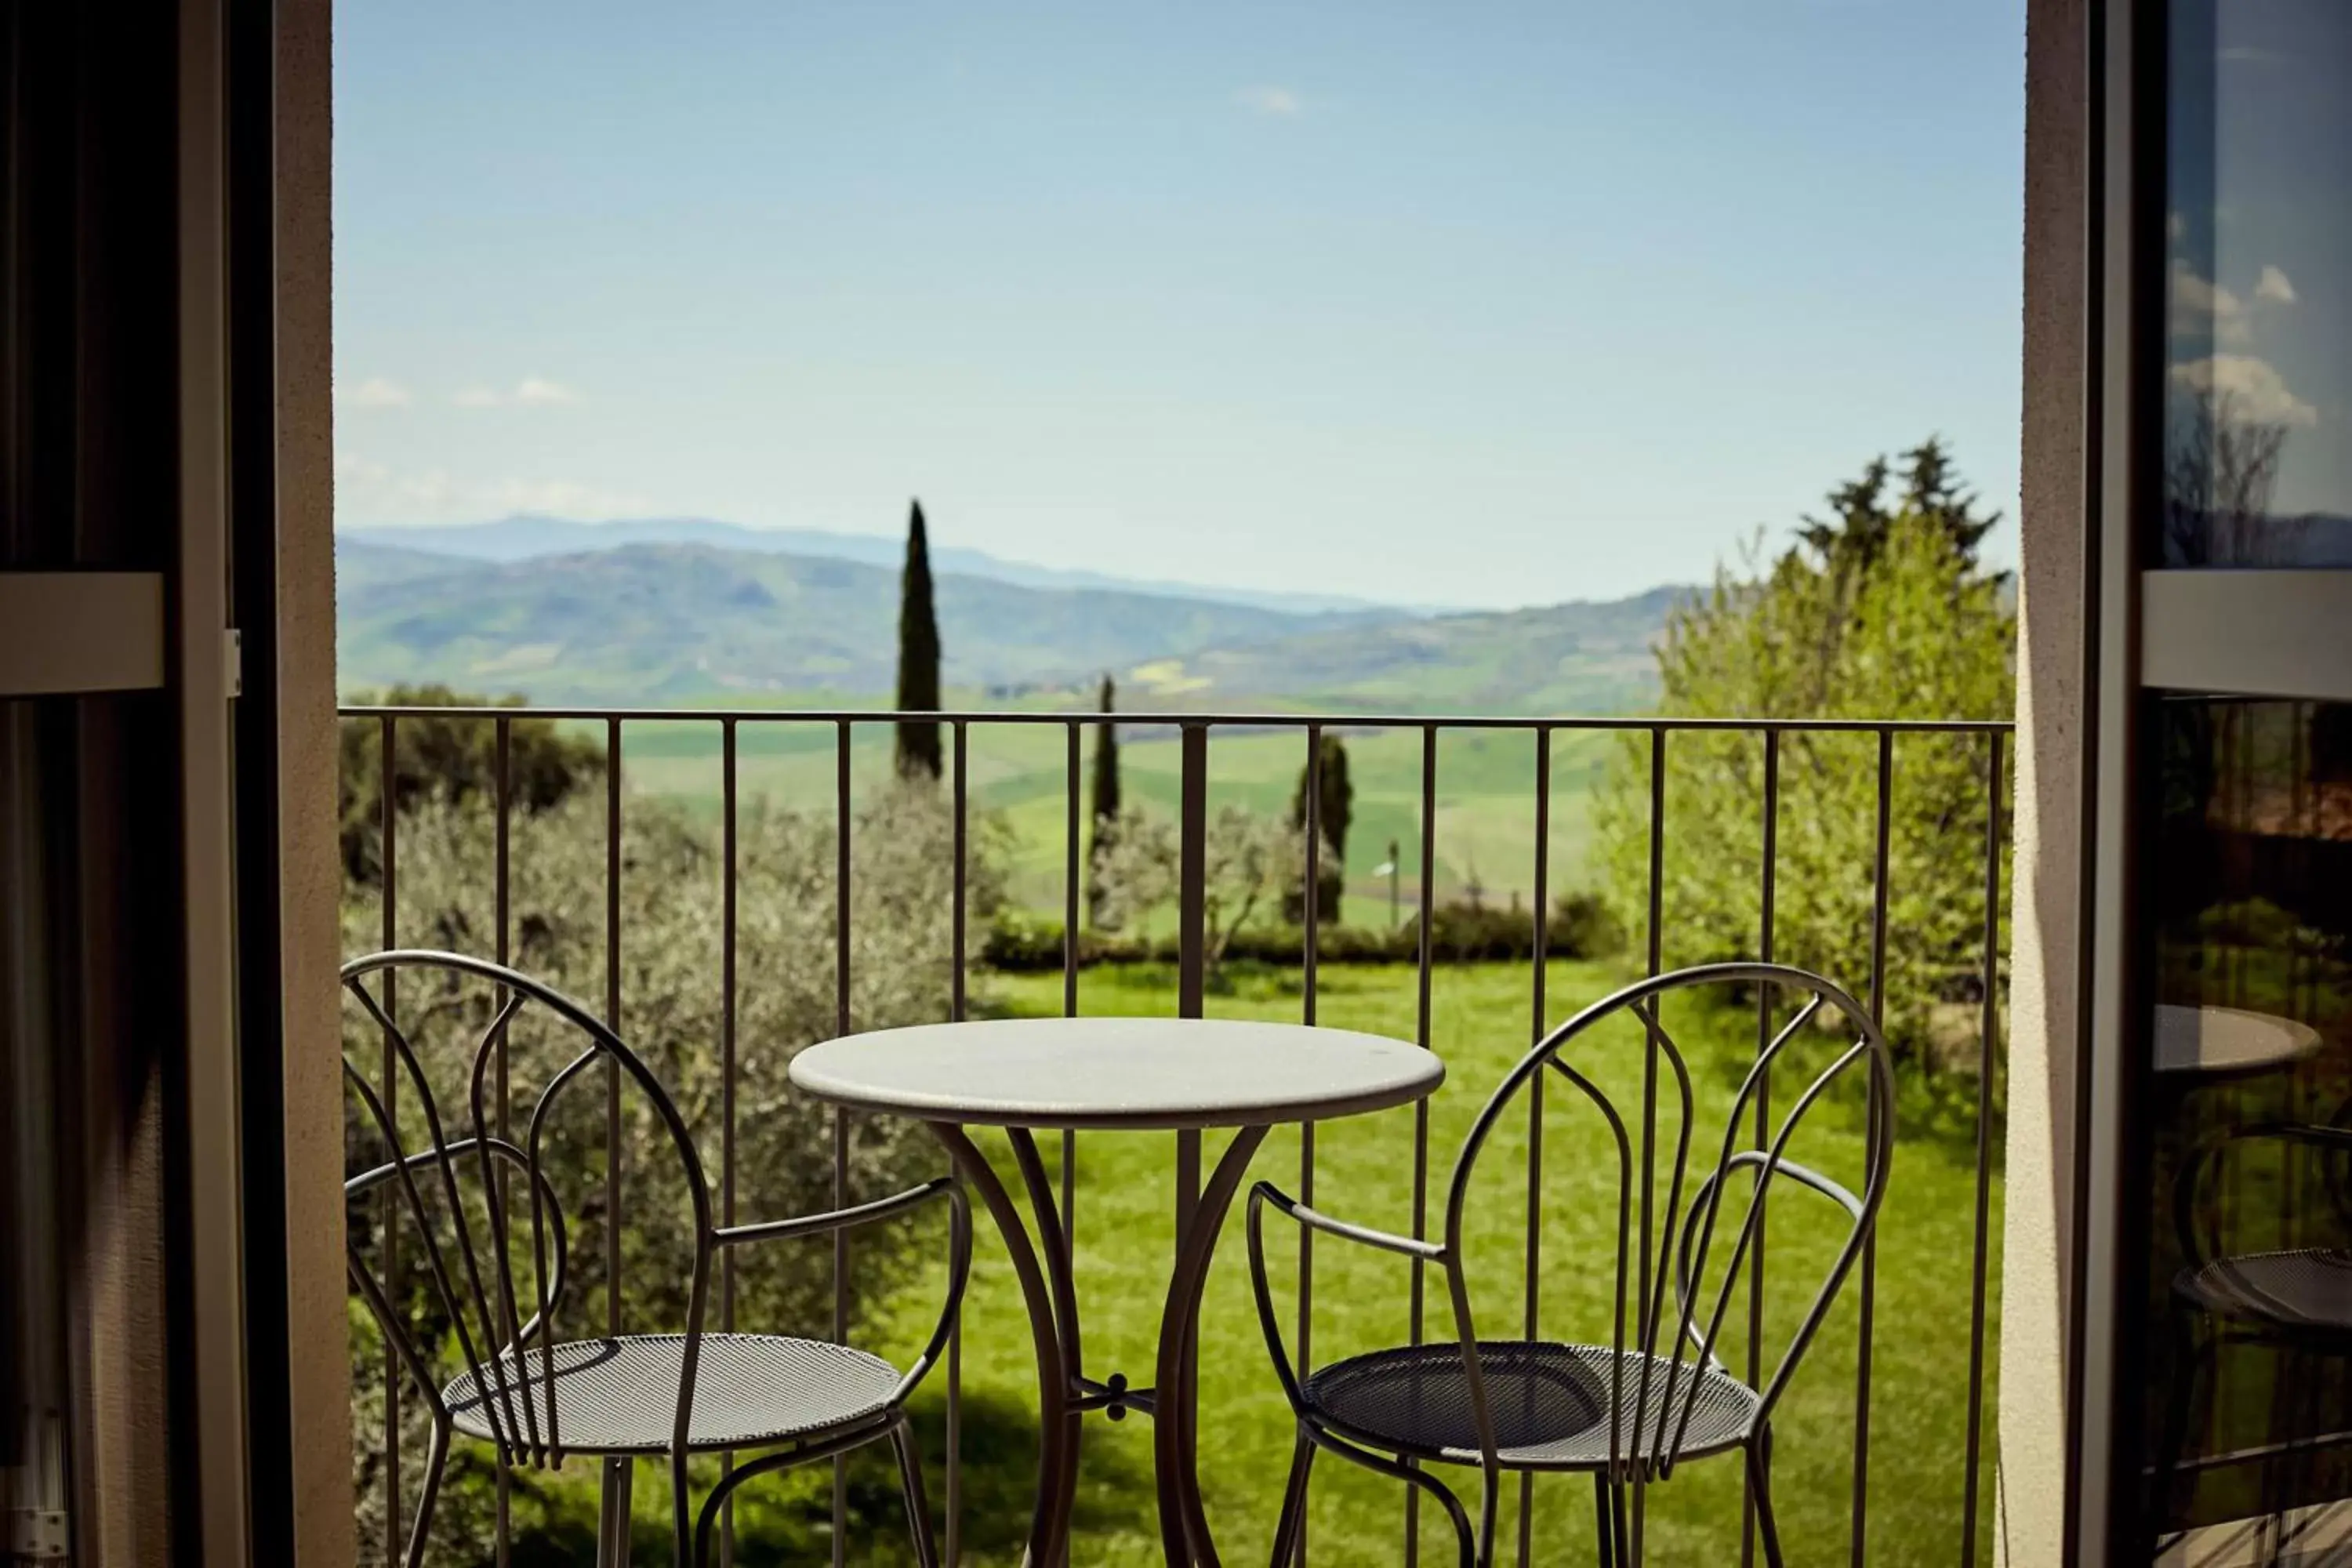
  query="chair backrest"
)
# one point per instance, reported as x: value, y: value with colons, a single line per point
x: 1650, y: 1374
x: 455, y: 1192
x: 2199, y: 1215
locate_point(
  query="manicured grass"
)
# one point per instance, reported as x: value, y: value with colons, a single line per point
x: 1480, y: 1021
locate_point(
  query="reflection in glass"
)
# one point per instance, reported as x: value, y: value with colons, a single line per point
x: 2248, y: 1273
x: 2258, y: 268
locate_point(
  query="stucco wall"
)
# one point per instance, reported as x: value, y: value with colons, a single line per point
x: 2049, y: 790
x: 308, y: 868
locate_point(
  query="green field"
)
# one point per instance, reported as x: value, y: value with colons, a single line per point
x: 1480, y: 1023
x: 1486, y: 792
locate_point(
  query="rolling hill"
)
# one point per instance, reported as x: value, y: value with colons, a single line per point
x: 687, y: 622
x: 1581, y: 658
x: 694, y: 622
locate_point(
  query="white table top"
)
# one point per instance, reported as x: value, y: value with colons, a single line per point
x: 2226, y: 1039
x: 1140, y: 1074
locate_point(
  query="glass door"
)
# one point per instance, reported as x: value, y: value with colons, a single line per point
x: 2232, y: 1428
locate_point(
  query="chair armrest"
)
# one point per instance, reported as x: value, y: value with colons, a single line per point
x: 1314, y: 1219
x: 1267, y: 1193
x: 959, y: 1253
x: 837, y: 1219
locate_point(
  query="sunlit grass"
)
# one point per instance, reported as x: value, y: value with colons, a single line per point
x: 1480, y: 1021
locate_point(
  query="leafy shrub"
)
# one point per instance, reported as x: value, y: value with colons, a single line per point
x: 1581, y: 927
x: 452, y: 761
x: 1246, y: 859
x: 1583, y: 924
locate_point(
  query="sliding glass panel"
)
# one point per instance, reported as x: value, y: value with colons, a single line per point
x: 2247, y: 894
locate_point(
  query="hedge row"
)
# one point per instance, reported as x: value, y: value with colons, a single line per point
x: 1580, y: 927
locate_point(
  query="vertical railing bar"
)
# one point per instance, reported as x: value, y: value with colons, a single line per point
x: 389, y: 1092
x: 2302, y: 824
x: 1868, y: 1288
x: 1536, y: 1099
x: 957, y: 798
x: 1192, y: 875
x: 2304, y: 973
x: 612, y: 1190
x: 1192, y: 984
x: 502, y: 732
x: 956, y: 1011
x: 1763, y: 1113
x: 1310, y: 931
x: 841, y: 807
x: 1070, y: 979
x: 727, y: 1078
x: 1311, y: 909
x: 1645, y: 1319
x: 1192, y: 938
x: 1428, y: 946
x: 1987, y: 1032
x: 1070, y: 873
x: 2292, y: 1174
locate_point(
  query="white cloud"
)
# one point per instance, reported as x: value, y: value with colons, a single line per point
x: 2251, y: 389
x: 530, y: 391
x: 534, y: 389
x: 2201, y: 306
x: 2273, y: 287
x: 375, y: 392
x: 1278, y: 102
x: 368, y: 493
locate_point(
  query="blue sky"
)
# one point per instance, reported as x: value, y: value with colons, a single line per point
x: 1478, y: 304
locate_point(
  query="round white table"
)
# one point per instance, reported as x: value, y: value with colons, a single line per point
x: 2216, y: 1040
x: 1137, y: 1075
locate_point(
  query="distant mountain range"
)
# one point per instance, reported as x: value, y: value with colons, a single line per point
x: 1588, y: 657
x: 686, y: 621
x: 676, y: 621
x: 526, y: 536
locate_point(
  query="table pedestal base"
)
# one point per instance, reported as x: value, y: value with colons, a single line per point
x: 1065, y: 1394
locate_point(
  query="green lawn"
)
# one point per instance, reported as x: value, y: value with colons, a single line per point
x: 1480, y: 1023
x: 1486, y: 789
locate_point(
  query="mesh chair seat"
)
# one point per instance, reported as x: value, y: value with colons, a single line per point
x: 2308, y: 1288
x: 620, y: 1395
x: 1551, y: 1404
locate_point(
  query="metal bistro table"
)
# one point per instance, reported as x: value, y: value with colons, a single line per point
x: 2214, y: 1042
x: 1129, y: 1075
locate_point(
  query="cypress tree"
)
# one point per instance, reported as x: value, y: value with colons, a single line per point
x: 1335, y: 808
x: 1104, y: 806
x: 918, y: 656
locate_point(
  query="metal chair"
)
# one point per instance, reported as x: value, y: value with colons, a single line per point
x: 537, y: 1398
x: 2291, y: 1300
x: 1625, y: 1413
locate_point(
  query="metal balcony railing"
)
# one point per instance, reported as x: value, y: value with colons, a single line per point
x: 1194, y: 732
